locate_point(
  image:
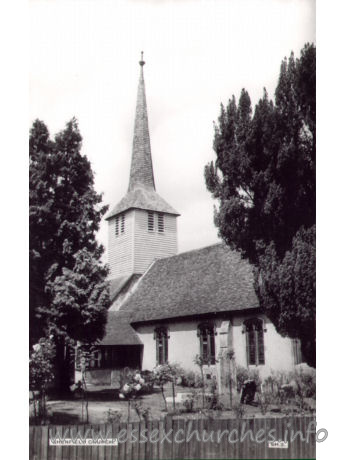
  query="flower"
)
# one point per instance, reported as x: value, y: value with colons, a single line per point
x: 137, y: 387
x: 121, y: 396
x: 137, y: 377
x: 142, y: 381
x: 126, y: 388
x: 36, y: 347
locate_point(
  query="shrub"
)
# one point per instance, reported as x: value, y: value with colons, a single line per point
x: 41, y: 374
x: 148, y: 376
x: 113, y: 416
x: 142, y: 412
x: 306, y: 382
x: 239, y: 410
x: 286, y: 388
x: 243, y: 374
x: 264, y: 402
x: 191, y: 379
x: 163, y: 374
x: 198, y: 383
x: 214, y: 403
x: 190, y: 402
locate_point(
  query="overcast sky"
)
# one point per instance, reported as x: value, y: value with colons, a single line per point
x: 84, y: 63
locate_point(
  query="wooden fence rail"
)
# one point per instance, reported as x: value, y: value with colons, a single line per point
x: 179, y: 438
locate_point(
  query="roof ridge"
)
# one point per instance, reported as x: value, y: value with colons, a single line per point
x: 137, y: 284
x: 221, y: 243
x: 142, y: 198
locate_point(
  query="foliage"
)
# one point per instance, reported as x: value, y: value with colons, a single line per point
x: 191, y: 379
x: 113, y: 416
x: 286, y: 389
x: 165, y: 373
x: 131, y: 390
x: 41, y: 373
x: 68, y: 294
x: 144, y: 413
x: 307, y: 380
x: 191, y: 402
x: 264, y: 180
x: 243, y: 374
x: 41, y: 364
x: 199, y: 361
x: 80, y: 299
x: 148, y: 377
x: 287, y: 288
x: 239, y: 410
x: 264, y: 402
x: 214, y: 402
x: 83, y: 355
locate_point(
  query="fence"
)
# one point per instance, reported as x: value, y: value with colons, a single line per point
x: 178, y: 438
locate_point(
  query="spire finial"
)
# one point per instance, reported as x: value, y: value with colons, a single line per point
x: 142, y: 62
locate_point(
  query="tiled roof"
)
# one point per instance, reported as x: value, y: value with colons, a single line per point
x: 124, y: 291
x: 208, y: 280
x: 119, y: 331
x: 141, y: 198
x: 116, y: 284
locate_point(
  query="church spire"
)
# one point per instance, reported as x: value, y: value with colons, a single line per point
x: 141, y: 173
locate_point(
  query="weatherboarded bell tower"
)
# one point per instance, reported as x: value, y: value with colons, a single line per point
x: 142, y: 226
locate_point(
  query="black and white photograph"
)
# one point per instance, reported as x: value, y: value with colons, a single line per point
x: 172, y: 230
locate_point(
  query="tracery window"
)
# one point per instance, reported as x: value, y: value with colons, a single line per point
x: 207, y: 343
x: 254, y: 331
x: 161, y: 336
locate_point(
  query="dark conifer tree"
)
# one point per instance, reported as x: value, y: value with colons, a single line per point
x: 264, y: 181
x: 68, y: 289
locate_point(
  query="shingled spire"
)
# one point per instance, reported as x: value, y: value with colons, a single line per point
x: 142, y: 226
x: 141, y: 174
x: 141, y: 192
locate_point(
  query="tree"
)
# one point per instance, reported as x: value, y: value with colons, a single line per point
x: 68, y: 292
x: 287, y: 290
x: 41, y: 374
x: 80, y: 299
x: 264, y: 179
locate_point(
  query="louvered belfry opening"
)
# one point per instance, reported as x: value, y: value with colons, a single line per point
x: 142, y: 226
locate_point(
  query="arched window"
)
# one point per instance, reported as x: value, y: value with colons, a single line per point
x: 207, y: 345
x: 254, y: 330
x: 161, y: 337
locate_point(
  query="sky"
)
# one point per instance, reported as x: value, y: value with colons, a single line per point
x: 83, y: 58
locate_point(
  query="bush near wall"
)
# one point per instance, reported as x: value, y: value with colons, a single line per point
x: 191, y: 379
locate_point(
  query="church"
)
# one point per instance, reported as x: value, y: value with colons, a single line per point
x: 170, y: 307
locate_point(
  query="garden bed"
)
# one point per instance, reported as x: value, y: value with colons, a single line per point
x: 101, y: 399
